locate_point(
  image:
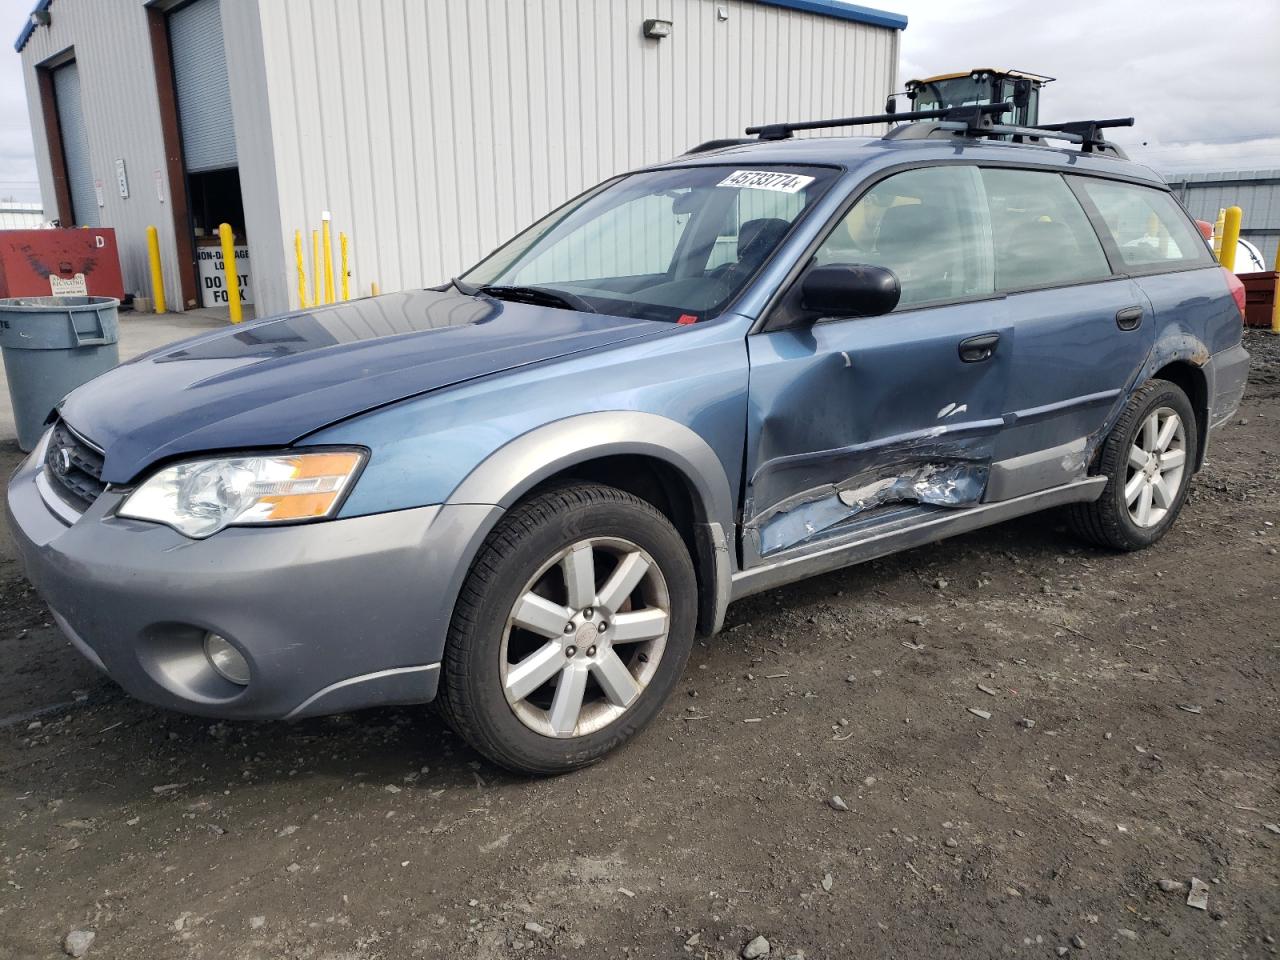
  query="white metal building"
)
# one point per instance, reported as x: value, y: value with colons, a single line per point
x: 20, y: 216
x: 1255, y: 192
x: 430, y: 129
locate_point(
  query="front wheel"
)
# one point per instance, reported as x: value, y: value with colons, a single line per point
x: 572, y: 628
x: 1148, y: 460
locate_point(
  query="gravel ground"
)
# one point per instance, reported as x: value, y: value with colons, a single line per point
x: 1132, y: 744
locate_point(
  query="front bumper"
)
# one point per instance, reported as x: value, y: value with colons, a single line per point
x: 330, y: 616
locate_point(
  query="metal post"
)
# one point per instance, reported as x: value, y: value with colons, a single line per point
x: 315, y: 268
x: 157, y: 271
x: 346, y: 274
x: 328, y: 257
x: 1275, y: 298
x: 373, y: 289
x: 229, y: 274
x: 1230, y: 238
x: 302, y: 269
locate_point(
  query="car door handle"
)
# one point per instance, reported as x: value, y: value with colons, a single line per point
x: 1129, y: 318
x: 979, y: 348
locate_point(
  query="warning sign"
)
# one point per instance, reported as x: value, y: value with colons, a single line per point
x: 75, y: 286
x: 213, y: 281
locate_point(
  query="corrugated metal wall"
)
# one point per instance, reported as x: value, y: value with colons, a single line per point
x: 1255, y: 192
x: 122, y: 120
x: 433, y: 131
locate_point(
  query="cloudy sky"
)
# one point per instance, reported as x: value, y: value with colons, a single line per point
x: 1202, y: 78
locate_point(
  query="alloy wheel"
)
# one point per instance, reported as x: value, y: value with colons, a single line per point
x: 585, y: 637
x: 1156, y: 465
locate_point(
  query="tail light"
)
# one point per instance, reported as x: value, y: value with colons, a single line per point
x: 1237, y: 291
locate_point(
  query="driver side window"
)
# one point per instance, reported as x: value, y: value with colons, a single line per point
x: 930, y: 227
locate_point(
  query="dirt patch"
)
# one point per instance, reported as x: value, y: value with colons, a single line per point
x: 1134, y: 737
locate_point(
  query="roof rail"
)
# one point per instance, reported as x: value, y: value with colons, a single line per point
x: 967, y: 121
x: 719, y: 144
x: 975, y: 118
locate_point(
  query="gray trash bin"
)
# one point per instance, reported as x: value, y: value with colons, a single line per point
x: 51, y: 345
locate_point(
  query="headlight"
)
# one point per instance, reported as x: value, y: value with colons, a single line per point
x: 200, y: 497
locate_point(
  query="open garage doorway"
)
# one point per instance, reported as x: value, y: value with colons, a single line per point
x: 201, y: 125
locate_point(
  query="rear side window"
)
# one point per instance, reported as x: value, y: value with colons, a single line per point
x: 929, y: 226
x: 1147, y: 225
x: 1041, y: 233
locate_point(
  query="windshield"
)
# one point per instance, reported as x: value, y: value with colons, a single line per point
x: 675, y: 244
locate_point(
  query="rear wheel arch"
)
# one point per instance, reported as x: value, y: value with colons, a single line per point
x: 1191, y: 378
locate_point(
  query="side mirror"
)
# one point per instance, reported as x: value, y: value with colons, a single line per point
x: 891, y: 105
x: 849, y: 290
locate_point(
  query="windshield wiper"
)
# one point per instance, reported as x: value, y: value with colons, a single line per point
x: 537, y: 295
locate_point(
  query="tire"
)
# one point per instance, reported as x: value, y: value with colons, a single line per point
x: 507, y: 656
x: 1115, y: 519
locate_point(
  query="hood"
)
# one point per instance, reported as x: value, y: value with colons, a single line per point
x: 272, y: 382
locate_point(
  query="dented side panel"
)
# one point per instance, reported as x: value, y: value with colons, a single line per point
x: 849, y: 416
x: 1076, y: 366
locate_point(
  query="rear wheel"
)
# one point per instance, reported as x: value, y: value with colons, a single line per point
x: 573, y: 626
x: 1147, y: 459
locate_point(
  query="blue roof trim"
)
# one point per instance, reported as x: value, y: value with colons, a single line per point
x: 30, y: 27
x: 845, y: 11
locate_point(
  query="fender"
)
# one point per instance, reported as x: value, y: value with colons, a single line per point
x: 510, y: 472
x: 1178, y: 345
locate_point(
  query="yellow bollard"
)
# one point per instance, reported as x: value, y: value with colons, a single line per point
x: 328, y: 257
x: 346, y: 274
x: 1275, y: 303
x: 373, y: 289
x: 302, y: 270
x: 1218, y: 226
x: 230, y: 276
x: 1230, y: 238
x: 157, y: 271
x: 315, y: 268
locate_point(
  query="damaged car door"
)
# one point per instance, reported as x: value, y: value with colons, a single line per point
x: 854, y: 422
x: 1083, y: 333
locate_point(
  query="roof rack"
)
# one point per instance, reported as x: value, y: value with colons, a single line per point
x: 967, y: 121
x: 975, y: 118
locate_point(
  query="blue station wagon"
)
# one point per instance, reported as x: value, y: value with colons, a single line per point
x: 522, y: 493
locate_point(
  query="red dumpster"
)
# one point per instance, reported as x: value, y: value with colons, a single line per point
x: 60, y: 263
x: 1260, y: 291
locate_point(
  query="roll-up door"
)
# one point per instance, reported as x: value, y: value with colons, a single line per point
x: 204, y: 94
x: 75, y: 147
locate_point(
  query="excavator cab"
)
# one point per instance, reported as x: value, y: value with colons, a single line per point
x: 976, y: 87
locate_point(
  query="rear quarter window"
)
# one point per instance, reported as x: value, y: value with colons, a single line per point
x: 1150, y: 230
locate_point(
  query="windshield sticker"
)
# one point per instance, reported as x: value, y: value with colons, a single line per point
x: 766, y: 180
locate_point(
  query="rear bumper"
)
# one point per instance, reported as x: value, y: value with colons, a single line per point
x: 330, y: 616
x: 1228, y: 375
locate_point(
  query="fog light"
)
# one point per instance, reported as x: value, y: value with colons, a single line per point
x: 226, y: 659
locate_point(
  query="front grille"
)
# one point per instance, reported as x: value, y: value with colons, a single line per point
x: 73, y: 467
